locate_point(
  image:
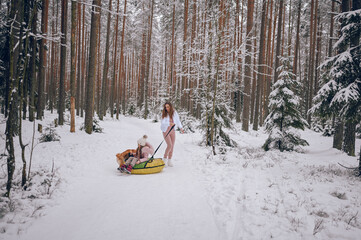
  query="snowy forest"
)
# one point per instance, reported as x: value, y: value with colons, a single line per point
x: 261, y: 65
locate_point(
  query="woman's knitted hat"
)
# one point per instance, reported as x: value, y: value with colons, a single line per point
x: 143, y: 140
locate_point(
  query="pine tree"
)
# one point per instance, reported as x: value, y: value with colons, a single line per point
x: 341, y: 94
x: 284, y: 120
x: 216, y: 114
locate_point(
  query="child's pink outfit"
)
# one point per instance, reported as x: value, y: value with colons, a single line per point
x: 146, y: 151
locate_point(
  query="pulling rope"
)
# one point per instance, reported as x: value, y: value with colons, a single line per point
x: 152, y: 157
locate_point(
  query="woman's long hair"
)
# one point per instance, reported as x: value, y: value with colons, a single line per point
x: 139, y: 151
x: 165, y: 112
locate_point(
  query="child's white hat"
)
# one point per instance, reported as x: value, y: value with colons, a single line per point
x: 143, y: 140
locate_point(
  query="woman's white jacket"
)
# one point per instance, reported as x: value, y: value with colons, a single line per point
x: 165, y: 122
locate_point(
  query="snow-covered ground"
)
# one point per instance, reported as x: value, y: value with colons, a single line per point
x: 77, y: 193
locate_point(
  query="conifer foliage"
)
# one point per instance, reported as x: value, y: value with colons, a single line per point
x: 216, y: 61
x: 284, y: 119
x: 341, y: 93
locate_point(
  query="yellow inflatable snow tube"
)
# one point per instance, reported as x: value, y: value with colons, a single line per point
x: 155, y: 165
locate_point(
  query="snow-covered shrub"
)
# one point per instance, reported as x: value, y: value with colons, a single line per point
x: 323, y: 125
x: 25, y: 204
x: 284, y: 120
x: 328, y: 129
x: 222, y: 118
x: 319, y: 226
x: 222, y: 121
x: 96, y: 126
x: 131, y: 109
x: 49, y: 135
x: 316, y: 126
x: 189, y: 123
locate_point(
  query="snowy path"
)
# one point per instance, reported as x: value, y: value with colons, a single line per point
x: 244, y: 194
x: 100, y: 203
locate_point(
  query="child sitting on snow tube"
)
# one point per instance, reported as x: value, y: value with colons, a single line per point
x: 141, y: 155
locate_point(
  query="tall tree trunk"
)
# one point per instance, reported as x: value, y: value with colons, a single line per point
x: 23, y: 93
x: 290, y: 28
x: 350, y: 126
x: 15, y: 19
x: 183, y: 91
x: 339, y: 124
x: 192, y: 62
x: 208, y: 82
x: 73, y: 60
x: 349, y: 137
x: 73, y: 47
x: 115, y: 76
x: 236, y: 36
x: 142, y: 67
x: 318, y: 56
x: 32, y: 77
x: 148, y: 61
x: 172, y: 53
x: 24, y: 82
x: 261, y: 62
x: 64, y: 18
x: 105, y: 71
x: 121, y: 57
x: 248, y: 70
x: 83, y: 76
x: 98, y: 77
x: 125, y: 88
x: 330, y: 43
x: 254, y: 72
x: 216, y: 77
x: 78, y: 80
x: 283, y: 28
x: 53, y: 71
x: 42, y: 59
x: 267, y: 70
x: 311, y: 68
x: 270, y: 61
x: 22, y: 146
x: 279, y: 40
x: 94, y: 31
x: 297, y: 38
x: 21, y: 96
x: 240, y: 75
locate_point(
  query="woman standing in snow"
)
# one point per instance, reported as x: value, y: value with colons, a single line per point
x: 170, y: 118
